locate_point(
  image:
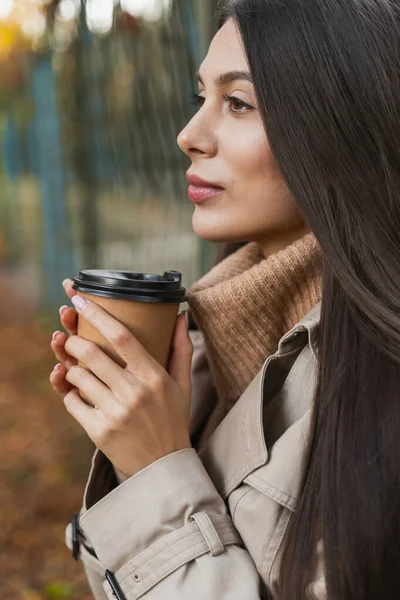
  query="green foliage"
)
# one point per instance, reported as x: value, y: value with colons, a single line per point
x: 58, y: 590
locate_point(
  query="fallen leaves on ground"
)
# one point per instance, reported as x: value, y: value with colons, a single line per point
x: 44, y: 462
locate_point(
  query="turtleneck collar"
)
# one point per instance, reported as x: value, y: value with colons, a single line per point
x: 247, y: 302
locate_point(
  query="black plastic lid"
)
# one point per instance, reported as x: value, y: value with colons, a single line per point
x: 129, y: 285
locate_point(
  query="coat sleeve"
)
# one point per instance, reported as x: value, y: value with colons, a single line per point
x: 165, y: 534
x: 103, y: 478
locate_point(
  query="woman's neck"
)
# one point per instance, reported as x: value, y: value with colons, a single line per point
x: 274, y: 242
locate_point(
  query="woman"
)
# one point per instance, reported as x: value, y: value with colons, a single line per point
x: 284, y: 480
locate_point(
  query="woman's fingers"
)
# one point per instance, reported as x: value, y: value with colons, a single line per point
x: 58, y: 347
x: 101, y: 365
x: 69, y: 319
x: 67, y: 285
x: 58, y: 381
x: 87, y: 416
x: 97, y: 394
x: 138, y: 360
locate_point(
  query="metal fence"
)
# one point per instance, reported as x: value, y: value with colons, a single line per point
x: 90, y: 107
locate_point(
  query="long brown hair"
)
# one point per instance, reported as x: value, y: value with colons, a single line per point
x: 327, y: 78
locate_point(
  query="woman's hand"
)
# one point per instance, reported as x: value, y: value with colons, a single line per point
x: 69, y: 320
x: 139, y: 413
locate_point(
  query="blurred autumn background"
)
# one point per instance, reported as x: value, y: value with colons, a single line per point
x: 92, y: 96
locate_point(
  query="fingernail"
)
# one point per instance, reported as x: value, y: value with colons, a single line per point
x: 63, y: 308
x: 79, y: 302
x: 64, y: 283
x: 55, y: 334
x: 58, y: 365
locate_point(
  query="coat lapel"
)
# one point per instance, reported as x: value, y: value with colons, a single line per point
x: 238, y: 445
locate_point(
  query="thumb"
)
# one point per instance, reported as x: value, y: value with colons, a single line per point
x: 180, y: 362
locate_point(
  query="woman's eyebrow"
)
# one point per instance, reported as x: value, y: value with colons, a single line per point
x: 228, y: 77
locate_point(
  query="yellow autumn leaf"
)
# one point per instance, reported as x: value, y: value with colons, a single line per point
x: 8, y: 38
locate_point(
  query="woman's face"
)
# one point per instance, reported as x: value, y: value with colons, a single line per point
x: 228, y: 147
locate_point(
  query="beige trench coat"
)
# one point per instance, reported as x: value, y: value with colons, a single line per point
x: 210, y: 525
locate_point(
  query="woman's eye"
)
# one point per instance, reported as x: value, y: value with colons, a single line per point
x: 236, y: 105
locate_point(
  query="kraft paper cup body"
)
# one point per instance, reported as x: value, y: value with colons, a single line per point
x: 152, y: 324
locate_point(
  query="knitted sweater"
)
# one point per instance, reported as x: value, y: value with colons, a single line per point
x: 245, y: 304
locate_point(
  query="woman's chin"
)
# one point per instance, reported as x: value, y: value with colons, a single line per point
x: 215, y: 232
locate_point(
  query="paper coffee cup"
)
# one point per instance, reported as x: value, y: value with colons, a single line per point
x: 147, y: 304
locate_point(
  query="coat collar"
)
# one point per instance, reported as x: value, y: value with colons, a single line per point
x: 310, y: 324
x: 237, y: 447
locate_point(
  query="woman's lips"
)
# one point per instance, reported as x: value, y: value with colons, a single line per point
x: 198, y: 194
x: 200, y: 189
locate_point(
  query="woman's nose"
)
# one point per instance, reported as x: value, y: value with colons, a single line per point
x: 197, y: 138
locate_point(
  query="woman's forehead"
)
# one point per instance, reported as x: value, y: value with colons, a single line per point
x: 225, y: 53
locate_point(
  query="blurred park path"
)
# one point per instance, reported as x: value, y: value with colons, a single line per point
x: 44, y: 459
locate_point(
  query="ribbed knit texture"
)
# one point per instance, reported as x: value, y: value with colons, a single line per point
x: 246, y: 303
